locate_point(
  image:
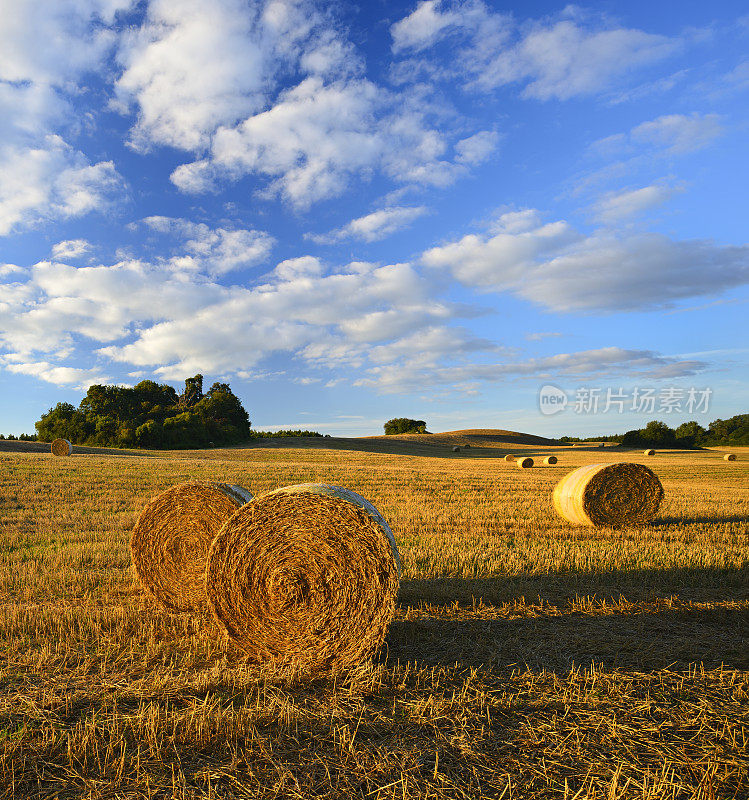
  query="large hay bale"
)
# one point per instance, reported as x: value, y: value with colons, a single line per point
x: 510, y: 458
x: 305, y: 577
x: 550, y: 460
x: 61, y: 447
x: 170, y: 541
x: 525, y: 463
x: 456, y: 449
x: 609, y: 494
x: 650, y: 452
x: 729, y: 457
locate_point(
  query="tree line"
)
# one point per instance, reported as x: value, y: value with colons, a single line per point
x: 720, y: 432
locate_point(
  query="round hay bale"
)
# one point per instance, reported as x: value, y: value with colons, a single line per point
x: 61, y: 447
x: 171, y: 538
x: 608, y: 494
x: 729, y: 457
x: 650, y: 452
x: 305, y: 577
x: 510, y: 458
x: 525, y: 463
x: 550, y: 460
x: 466, y: 446
x: 456, y: 449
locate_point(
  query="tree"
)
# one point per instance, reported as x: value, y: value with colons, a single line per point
x: 150, y: 414
x: 404, y: 425
x: 690, y: 434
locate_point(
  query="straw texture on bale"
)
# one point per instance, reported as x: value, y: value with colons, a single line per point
x: 510, y: 458
x: 171, y: 538
x: 61, y: 447
x: 609, y: 494
x: 305, y: 577
x: 729, y: 457
x: 456, y: 449
x: 550, y: 460
x: 649, y: 452
x: 525, y: 463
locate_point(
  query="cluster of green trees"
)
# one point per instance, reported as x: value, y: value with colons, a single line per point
x: 150, y: 414
x: 24, y: 437
x: 282, y: 433
x: 404, y: 425
x: 733, y: 431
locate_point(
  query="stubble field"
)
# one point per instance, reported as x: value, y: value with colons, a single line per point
x: 527, y: 658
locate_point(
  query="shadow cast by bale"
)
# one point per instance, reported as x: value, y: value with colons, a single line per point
x: 639, y: 641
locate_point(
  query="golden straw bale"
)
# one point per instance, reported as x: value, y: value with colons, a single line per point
x: 171, y: 538
x: 510, y: 458
x: 61, y: 447
x: 729, y: 457
x: 608, y: 494
x: 525, y: 463
x: 550, y: 460
x: 649, y: 452
x: 305, y: 577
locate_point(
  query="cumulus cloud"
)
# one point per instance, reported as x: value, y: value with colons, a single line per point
x: 51, y: 180
x: 559, y: 268
x: 43, y: 177
x: 551, y: 59
x: 274, y: 90
x: 214, y: 250
x: 622, y: 205
x: 71, y: 248
x: 70, y: 377
x: 374, y: 226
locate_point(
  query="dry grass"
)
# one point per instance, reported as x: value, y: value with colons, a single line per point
x: 527, y: 658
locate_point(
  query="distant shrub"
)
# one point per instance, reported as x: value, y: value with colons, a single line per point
x: 404, y: 425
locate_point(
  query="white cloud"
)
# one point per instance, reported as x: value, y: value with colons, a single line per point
x: 219, y: 250
x: 72, y: 377
x: 423, y: 27
x: 374, y: 226
x: 71, y: 248
x: 679, y: 133
x: 477, y: 148
x: 51, y: 180
x: 419, y: 362
x: 621, y: 205
x: 41, y: 176
x: 557, y: 267
x: 552, y: 59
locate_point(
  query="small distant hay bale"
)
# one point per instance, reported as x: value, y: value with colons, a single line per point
x: 305, y: 577
x: 578, y: 444
x: 650, y: 452
x: 550, y: 460
x: 456, y: 449
x: 525, y: 463
x: 614, y: 495
x: 61, y: 447
x: 510, y: 458
x: 729, y: 457
x: 170, y: 541
x: 466, y: 446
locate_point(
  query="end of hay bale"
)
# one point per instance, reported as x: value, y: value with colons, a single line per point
x: 456, y: 449
x: 611, y: 495
x: 466, y: 446
x: 509, y: 457
x: 729, y: 457
x: 650, y: 452
x: 61, y: 447
x: 550, y: 460
x: 170, y: 541
x: 525, y: 463
x: 305, y: 576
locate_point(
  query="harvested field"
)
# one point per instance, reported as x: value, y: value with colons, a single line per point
x: 526, y: 659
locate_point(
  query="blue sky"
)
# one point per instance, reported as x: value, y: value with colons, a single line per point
x: 355, y: 212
